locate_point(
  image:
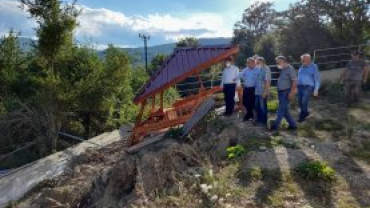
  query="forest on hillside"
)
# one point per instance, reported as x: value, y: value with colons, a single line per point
x: 60, y: 86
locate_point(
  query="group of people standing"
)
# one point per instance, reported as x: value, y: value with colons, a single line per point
x: 257, y: 78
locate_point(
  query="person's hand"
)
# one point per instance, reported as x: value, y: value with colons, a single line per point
x: 365, y: 81
x: 264, y: 95
x: 316, y: 94
x: 291, y: 96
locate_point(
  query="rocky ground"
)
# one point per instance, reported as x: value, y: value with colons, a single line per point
x: 196, y: 171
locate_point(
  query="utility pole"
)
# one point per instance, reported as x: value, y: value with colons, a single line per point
x: 145, y: 38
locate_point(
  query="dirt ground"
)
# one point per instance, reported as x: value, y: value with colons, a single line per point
x: 196, y: 172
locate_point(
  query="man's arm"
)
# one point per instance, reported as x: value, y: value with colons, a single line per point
x: 366, y: 70
x: 294, y: 89
x: 267, y: 83
x: 237, y: 72
x: 344, y: 72
x: 317, y: 81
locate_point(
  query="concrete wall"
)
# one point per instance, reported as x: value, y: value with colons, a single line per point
x: 17, y: 183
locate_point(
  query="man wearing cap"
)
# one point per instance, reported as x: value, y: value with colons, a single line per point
x: 353, y: 76
x: 287, y: 89
x: 229, y: 83
x: 308, y: 83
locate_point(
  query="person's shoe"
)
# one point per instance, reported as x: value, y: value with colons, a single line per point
x: 246, y: 118
x: 301, y: 120
x: 227, y: 114
x: 292, y: 128
x: 274, y: 128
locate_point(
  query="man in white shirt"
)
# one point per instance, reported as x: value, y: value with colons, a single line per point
x: 229, y: 84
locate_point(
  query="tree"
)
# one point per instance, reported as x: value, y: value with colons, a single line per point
x: 117, y: 65
x: 267, y: 47
x: 257, y: 20
x: 302, y: 29
x: 349, y: 18
x: 139, y: 78
x: 12, y: 61
x: 42, y: 116
x: 56, y: 26
x: 187, y: 42
x: 156, y: 63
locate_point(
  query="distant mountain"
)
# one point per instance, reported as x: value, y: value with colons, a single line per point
x: 25, y: 43
x: 138, y: 53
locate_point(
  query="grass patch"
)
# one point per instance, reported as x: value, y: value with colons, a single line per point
x: 316, y: 170
x: 328, y: 125
x: 362, y: 153
x: 307, y: 131
x: 332, y: 91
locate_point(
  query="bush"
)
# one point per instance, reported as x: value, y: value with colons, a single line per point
x: 256, y: 173
x: 316, y: 170
x: 236, y: 151
x: 332, y: 90
x: 272, y: 106
x: 328, y: 125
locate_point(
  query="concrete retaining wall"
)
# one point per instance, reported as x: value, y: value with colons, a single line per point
x: 15, y: 184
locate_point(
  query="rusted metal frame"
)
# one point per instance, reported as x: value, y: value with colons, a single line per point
x: 194, y: 97
x: 161, y: 101
x: 162, y: 125
x: 153, y: 104
x: 197, y: 69
x: 135, y: 137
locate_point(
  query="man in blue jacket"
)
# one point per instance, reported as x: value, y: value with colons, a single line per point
x: 308, y: 83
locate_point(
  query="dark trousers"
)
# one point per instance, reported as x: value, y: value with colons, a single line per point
x: 229, y: 95
x: 249, y: 101
x: 261, y: 109
x: 304, y: 95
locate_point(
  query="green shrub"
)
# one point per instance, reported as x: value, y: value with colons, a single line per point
x: 328, y: 125
x: 274, y: 93
x: 256, y: 173
x: 333, y: 91
x: 272, y: 106
x: 316, y: 170
x: 236, y: 151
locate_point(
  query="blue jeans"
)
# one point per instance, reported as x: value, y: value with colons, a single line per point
x: 261, y: 109
x: 304, y: 95
x: 283, y: 110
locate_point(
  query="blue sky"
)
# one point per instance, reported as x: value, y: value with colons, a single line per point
x: 120, y: 21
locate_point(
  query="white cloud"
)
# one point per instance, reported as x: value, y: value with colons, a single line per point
x: 105, y: 26
x: 97, y: 22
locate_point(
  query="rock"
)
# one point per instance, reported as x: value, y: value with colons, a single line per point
x: 214, y: 198
x: 104, y: 177
x: 263, y: 149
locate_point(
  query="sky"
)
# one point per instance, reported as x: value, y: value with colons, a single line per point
x: 119, y: 22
